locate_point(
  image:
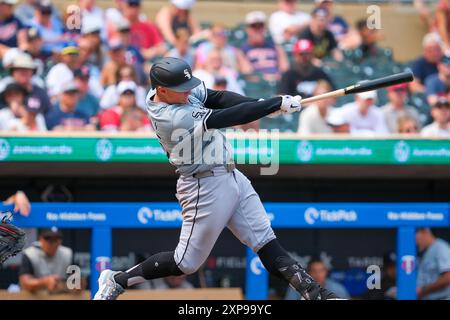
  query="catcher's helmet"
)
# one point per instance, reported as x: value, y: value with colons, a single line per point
x: 174, y: 74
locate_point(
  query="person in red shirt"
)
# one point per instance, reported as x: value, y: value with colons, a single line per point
x: 144, y: 34
x: 126, y: 116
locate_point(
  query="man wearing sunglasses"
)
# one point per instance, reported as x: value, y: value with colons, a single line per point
x: 266, y: 58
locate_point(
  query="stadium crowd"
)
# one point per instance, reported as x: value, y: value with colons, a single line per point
x: 61, y: 74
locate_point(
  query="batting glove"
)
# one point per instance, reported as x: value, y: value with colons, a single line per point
x: 290, y: 104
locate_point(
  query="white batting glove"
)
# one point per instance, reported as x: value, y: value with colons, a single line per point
x: 290, y: 104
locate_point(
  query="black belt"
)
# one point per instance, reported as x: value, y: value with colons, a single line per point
x: 209, y: 173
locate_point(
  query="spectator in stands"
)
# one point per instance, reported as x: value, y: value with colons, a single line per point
x: 287, y: 22
x: 182, y: 48
x: 126, y: 116
x: 44, y: 264
x: 433, y: 272
x: 303, y: 75
x: 144, y: 34
x: 338, y: 26
x: 117, y: 60
x: 317, y: 32
x: 437, y: 84
x: 232, y: 57
x: 34, y: 47
x: 17, y: 114
x: 427, y: 64
x: 21, y: 70
x: 87, y: 103
x: 91, y: 31
x: 12, y: 30
x: 177, y: 16
x: 132, y: 54
x: 397, y: 107
x: 51, y: 30
x: 266, y: 57
x: 369, y: 38
x: 363, y: 116
x: 111, y: 97
x: 407, y: 125
x: 63, y: 71
x: 64, y: 116
x: 442, y: 18
x: 337, y: 122
x: 313, y: 120
x: 440, y: 112
x: 215, y: 68
x: 85, y: 49
x: 25, y: 10
x: 92, y: 14
x: 319, y: 271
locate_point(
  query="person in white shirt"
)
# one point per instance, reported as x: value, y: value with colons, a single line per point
x: 62, y: 72
x: 215, y: 68
x: 440, y: 127
x: 313, y: 120
x: 397, y: 107
x: 363, y: 116
x: 287, y: 22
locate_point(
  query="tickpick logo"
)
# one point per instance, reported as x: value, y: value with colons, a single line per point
x: 311, y: 215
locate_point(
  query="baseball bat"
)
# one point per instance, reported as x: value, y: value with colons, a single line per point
x: 362, y: 86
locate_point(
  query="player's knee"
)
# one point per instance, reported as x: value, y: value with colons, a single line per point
x: 188, y: 269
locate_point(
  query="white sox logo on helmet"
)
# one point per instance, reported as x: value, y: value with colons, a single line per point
x: 187, y: 74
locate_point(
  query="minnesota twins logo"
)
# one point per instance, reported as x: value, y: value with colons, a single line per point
x: 187, y: 74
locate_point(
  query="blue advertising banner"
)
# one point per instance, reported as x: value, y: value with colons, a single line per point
x: 282, y: 215
x: 103, y: 217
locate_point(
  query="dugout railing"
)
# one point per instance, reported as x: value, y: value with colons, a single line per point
x: 102, y: 218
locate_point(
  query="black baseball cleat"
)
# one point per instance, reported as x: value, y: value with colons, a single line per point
x: 304, y: 284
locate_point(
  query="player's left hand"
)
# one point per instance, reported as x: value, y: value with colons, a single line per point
x: 290, y: 104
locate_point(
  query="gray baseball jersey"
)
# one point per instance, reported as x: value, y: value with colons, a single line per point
x: 182, y: 132
x: 209, y: 204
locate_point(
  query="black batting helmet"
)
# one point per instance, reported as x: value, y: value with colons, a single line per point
x: 174, y: 74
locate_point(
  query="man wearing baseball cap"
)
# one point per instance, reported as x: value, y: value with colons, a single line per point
x: 51, y: 30
x: 266, y: 57
x: 302, y: 77
x: 64, y: 115
x: 150, y: 40
x: 363, y: 116
x: 397, y: 108
x: 325, y: 45
x: 112, y: 119
x: 63, y: 71
x: 437, y: 84
x: 21, y: 71
x: 440, y: 112
x: 44, y: 264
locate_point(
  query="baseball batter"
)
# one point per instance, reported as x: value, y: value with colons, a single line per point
x: 213, y: 194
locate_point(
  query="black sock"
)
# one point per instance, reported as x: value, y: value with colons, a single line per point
x: 157, y: 266
x: 274, y: 257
